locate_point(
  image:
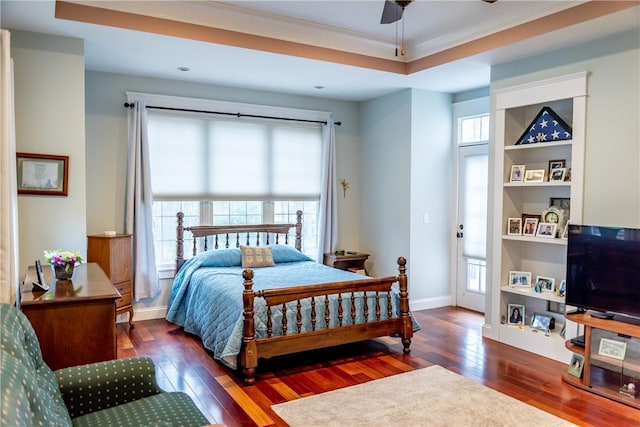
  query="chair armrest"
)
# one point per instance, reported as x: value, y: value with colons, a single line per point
x: 97, y: 386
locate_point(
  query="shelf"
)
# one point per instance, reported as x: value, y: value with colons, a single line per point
x: 530, y: 293
x: 538, y: 145
x: 546, y: 240
x: 515, y: 110
x: 549, y: 344
x: 602, y: 391
x: 608, y: 362
x: 537, y: 184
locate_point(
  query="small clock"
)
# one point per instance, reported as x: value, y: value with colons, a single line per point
x: 555, y: 216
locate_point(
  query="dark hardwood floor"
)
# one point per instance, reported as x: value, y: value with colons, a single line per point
x: 450, y: 337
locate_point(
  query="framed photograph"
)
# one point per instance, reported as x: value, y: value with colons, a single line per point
x: 556, y: 164
x: 516, y: 315
x: 517, y: 173
x: 612, y: 348
x: 534, y: 175
x: 514, y: 226
x: 42, y: 174
x: 530, y: 226
x: 557, y: 175
x: 547, y: 229
x: 526, y: 216
x: 541, y: 322
x: 546, y: 284
x: 576, y: 365
x: 565, y: 232
x: 520, y: 279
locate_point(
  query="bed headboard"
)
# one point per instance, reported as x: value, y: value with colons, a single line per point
x: 234, y: 235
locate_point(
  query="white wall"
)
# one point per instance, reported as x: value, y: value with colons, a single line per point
x: 49, y: 101
x: 386, y: 170
x: 432, y: 157
x: 406, y: 162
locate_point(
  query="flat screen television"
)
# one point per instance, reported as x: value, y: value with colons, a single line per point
x: 603, y: 269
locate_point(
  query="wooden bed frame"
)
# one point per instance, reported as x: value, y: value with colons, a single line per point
x: 254, y: 348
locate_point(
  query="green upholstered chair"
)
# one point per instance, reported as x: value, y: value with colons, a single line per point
x: 119, y: 392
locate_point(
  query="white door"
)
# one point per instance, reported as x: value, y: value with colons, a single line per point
x: 472, y: 226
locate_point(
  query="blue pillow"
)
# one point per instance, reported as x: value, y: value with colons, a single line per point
x: 227, y: 257
x: 284, y: 253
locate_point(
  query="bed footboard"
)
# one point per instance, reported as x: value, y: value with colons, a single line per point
x: 379, y: 319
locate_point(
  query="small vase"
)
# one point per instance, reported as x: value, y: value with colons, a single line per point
x: 63, y: 272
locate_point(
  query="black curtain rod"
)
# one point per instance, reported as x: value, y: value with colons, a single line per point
x: 128, y: 105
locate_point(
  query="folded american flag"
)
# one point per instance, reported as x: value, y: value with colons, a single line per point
x: 546, y: 127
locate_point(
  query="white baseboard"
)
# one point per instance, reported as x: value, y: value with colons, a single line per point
x: 427, y: 303
x: 144, y: 314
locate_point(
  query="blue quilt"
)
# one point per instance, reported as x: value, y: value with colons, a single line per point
x: 206, y: 298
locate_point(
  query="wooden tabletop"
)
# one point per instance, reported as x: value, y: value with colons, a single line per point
x: 88, y: 282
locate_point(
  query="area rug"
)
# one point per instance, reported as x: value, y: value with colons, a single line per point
x: 431, y: 396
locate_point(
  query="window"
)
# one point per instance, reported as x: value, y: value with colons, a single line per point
x: 474, y: 129
x: 223, y: 171
x: 228, y: 213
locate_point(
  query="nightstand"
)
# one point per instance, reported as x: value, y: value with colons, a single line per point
x: 351, y: 261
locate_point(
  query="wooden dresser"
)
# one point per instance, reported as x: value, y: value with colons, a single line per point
x: 75, y: 319
x: 114, y: 255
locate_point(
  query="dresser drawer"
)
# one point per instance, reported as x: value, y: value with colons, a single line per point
x: 124, y: 300
x: 125, y: 290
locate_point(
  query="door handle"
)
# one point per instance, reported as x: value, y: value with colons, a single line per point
x: 459, y: 233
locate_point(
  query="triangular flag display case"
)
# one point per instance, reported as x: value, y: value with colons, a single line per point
x: 548, y: 126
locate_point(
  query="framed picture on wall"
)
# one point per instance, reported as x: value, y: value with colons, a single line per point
x: 42, y: 174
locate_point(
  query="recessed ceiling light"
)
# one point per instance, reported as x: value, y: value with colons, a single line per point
x: 318, y: 87
x: 184, y: 68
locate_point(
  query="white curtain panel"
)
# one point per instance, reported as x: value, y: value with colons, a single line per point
x: 139, y: 205
x: 328, y: 211
x: 9, y: 275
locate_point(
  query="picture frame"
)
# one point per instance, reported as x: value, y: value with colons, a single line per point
x: 516, y: 315
x: 542, y: 322
x: 42, y: 174
x: 526, y: 216
x: 565, y: 232
x: 530, y: 226
x: 514, y: 226
x: 546, y: 284
x: 576, y: 365
x: 547, y: 230
x: 517, y: 173
x: 534, y: 175
x: 520, y: 279
x: 557, y: 175
x: 612, y: 348
x: 556, y: 164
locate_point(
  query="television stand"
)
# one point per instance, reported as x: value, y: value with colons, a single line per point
x: 603, y: 373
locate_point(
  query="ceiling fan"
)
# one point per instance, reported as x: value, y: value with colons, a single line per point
x: 393, y: 9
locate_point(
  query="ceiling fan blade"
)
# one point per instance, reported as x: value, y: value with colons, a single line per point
x: 392, y: 12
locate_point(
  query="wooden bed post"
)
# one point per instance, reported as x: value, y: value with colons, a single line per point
x: 249, y: 352
x: 299, y: 230
x: 179, y: 241
x: 407, y: 326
